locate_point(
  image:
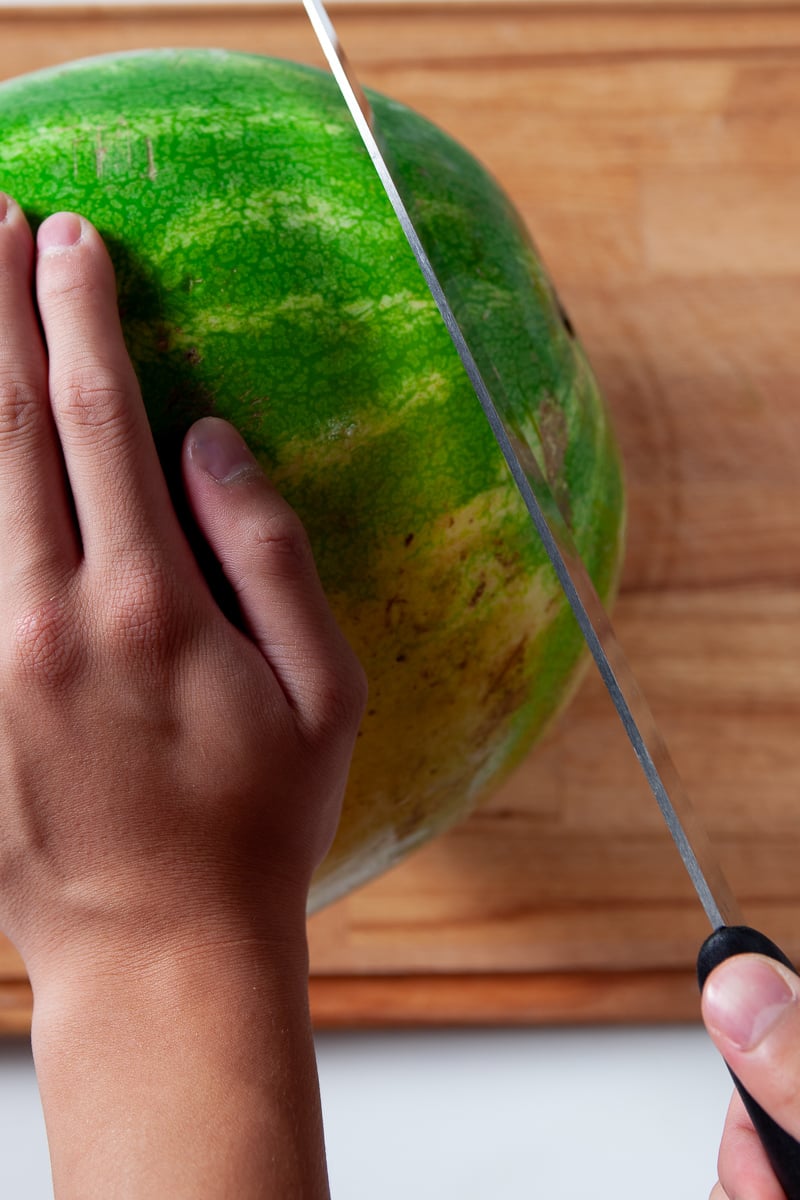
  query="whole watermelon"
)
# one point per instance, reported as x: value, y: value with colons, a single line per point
x: 263, y: 277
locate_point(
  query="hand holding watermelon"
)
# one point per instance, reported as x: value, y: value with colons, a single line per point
x: 168, y: 782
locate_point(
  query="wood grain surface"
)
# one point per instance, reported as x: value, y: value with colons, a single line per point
x: 654, y: 150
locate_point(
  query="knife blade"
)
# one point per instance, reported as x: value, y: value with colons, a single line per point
x: 648, y: 744
x: 528, y: 470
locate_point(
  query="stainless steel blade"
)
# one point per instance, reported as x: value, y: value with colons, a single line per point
x: 688, y: 834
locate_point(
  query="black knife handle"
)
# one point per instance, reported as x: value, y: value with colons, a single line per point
x: 782, y: 1150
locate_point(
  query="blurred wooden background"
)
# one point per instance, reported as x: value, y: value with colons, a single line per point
x: 654, y: 150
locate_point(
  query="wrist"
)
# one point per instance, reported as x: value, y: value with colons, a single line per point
x: 191, y: 1069
x: 147, y: 933
x: 96, y: 993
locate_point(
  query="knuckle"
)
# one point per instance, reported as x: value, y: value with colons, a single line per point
x: 46, y: 647
x: 139, y: 611
x: 65, y: 283
x: 20, y: 406
x: 93, y: 400
x: 281, y: 539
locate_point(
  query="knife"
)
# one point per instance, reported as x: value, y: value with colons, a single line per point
x: 730, y: 935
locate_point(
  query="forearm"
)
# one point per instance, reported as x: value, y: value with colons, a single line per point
x: 195, y: 1079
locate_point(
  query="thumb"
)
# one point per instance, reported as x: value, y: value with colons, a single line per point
x: 751, y: 1009
x: 265, y: 555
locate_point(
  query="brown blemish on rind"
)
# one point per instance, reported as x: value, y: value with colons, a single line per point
x: 515, y: 658
x: 393, y: 611
x: 476, y: 595
x: 551, y: 423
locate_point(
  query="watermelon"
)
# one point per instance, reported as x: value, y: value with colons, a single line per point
x: 263, y: 277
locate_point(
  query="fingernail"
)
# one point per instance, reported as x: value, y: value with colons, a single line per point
x: 59, y: 232
x: 745, y: 998
x: 3, y: 207
x: 216, y: 448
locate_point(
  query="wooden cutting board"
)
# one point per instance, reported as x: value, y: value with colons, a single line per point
x: 654, y: 151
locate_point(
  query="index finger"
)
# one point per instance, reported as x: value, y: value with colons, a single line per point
x: 37, y: 536
x: 121, y: 497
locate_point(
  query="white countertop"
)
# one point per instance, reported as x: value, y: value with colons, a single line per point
x: 556, y: 1114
